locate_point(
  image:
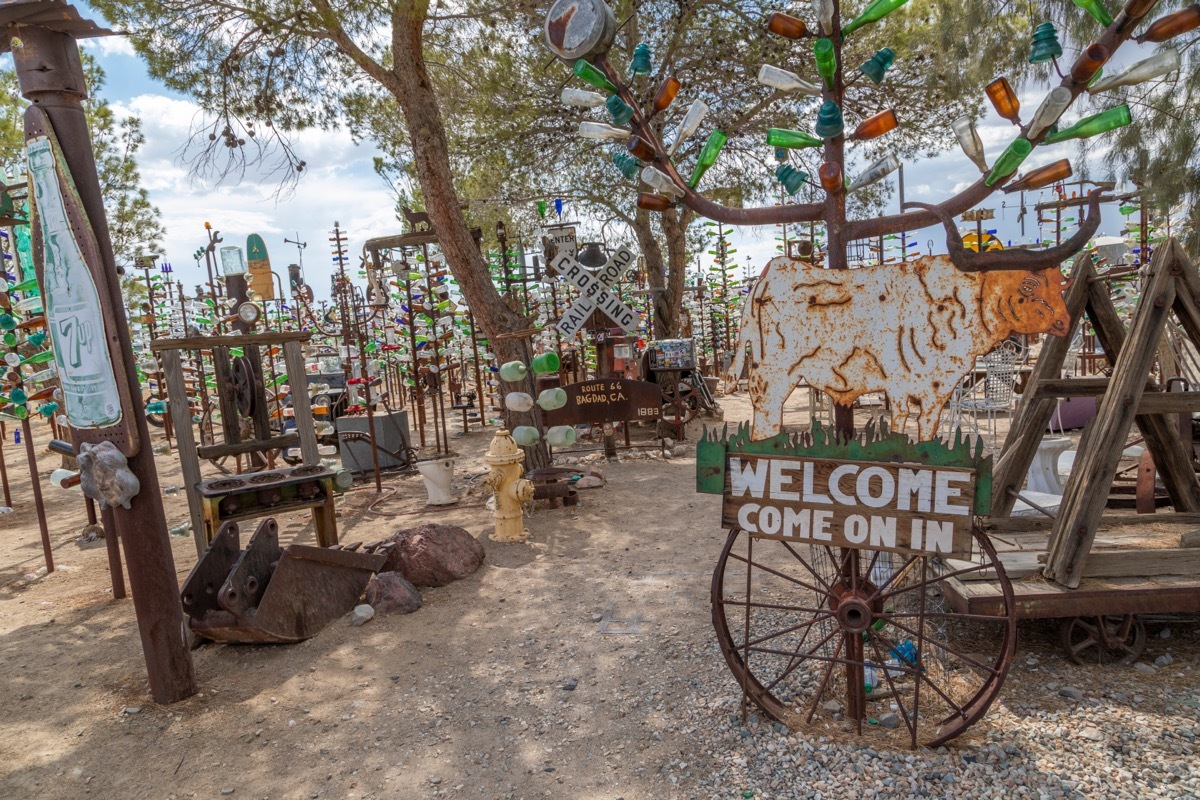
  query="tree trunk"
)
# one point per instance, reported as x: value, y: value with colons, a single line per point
x: 431, y: 157
x: 675, y: 225
x: 656, y: 274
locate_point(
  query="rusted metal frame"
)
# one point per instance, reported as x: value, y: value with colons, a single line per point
x: 48, y: 71
x: 1035, y: 413
x: 820, y: 616
x: 790, y: 579
x: 746, y: 626
x: 1079, y: 514
x: 418, y: 398
x: 832, y: 660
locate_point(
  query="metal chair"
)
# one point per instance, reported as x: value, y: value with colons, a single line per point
x: 999, y: 383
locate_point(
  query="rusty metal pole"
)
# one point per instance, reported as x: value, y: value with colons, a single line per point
x: 36, y: 485
x: 4, y: 468
x: 50, y: 76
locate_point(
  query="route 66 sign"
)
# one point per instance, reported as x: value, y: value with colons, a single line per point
x: 578, y: 29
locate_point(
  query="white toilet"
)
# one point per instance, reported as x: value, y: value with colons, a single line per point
x: 438, y: 473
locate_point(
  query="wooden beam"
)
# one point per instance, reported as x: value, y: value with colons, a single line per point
x: 185, y: 444
x: 251, y: 446
x: 238, y: 340
x: 293, y: 360
x: 1078, y: 387
x: 1140, y: 563
x: 1034, y: 413
x: 1096, y: 465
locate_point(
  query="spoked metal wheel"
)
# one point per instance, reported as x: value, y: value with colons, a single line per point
x: 680, y: 403
x: 806, y: 629
x: 1104, y: 640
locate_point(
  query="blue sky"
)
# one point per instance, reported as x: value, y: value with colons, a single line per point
x: 340, y: 185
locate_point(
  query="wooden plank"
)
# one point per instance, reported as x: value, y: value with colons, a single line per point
x: 1169, y: 402
x: 237, y: 340
x: 1168, y: 594
x: 1140, y: 563
x: 1033, y: 414
x: 251, y: 446
x: 1096, y: 465
x: 224, y: 377
x: 1080, y: 387
x: 293, y: 359
x: 1025, y: 525
x: 1162, y: 438
x: 185, y: 445
x: 1017, y: 565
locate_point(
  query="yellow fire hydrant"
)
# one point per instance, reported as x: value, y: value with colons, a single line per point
x: 509, y: 488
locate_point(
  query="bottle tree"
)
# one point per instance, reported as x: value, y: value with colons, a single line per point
x: 582, y: 31
x: 724, y: 288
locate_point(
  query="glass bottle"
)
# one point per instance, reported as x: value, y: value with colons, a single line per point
x: 969, y: 141
x: 1096, y: 124
x: 1004, y: 100
x: 874, y: 12
x: 708, y: 156
x: 791, y: 178
x: 1050, y: 110
x: 620, y: 111
x: 830, y: 175
x: 1088, y: 63
x: 581, y: 98
x: 792, y: 140
x: 875, y: 126
x: 826, y: 60
x: 1172, y: 25
x: 602, y: 130
x: 787, y: 26
x: 1096, y: 9
x: 660, y: 182
x: 1041, y: 177
x: 695, y: 115
x: 1009, y: 160
x: 653, y: 202
x: 641, y: 149
x: 1156, y: 66
x: 552, y: 399
x: 784, y: 81
x: 666, y: 95
x: 592, y: 75
x: 876, y: 172
x: 1045, y: 46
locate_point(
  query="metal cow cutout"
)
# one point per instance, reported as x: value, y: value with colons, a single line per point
x: 912, y: 330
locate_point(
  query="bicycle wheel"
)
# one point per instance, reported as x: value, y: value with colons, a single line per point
x: 824, y: 639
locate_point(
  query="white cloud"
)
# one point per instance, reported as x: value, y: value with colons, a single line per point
x: 118, y: 45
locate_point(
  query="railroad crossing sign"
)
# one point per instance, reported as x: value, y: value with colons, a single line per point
x: 595, y: 288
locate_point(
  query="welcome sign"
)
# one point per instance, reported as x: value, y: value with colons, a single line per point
x: 905, y: 508
x: 876, y: 491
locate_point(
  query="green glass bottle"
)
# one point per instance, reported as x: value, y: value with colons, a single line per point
x: 38, y: 358
x: 1097, y: 10
x: 1105, y: 121
x: 708, y: 156
x: 545, y: 363
x: 826, y: 60
x: 1009, y: 161
x: 590, y: 74
x: 792, y: 140
x: 872, y: 13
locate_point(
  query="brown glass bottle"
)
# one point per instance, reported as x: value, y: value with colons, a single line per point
x: 666, y: 95
x: 787, y: 26
x: 875, y: 126
x: 1004, y: 100
x: 831, y: 177
x: 1091, y: 60
x: 1172, y: 25
x: 1041, y: 177
x: 640, y: 148
x: 653, y: 202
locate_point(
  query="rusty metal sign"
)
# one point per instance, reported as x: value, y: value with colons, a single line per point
x: 901, y: 508
x: 912, y: 330
x: 609, y: 400
x: 578, y: 29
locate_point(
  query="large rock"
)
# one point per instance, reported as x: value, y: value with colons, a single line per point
x: 434, y: 555
x: 390, y: 593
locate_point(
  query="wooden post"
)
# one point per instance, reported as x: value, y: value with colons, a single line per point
x: 189, y: 460
x: 301, y: 405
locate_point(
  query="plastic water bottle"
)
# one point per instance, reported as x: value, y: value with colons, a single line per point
x: 870, y: 678
x: 5, y: 510
x: 182, y: 529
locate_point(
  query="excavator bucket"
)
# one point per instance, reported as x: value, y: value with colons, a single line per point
x: 265, y: 594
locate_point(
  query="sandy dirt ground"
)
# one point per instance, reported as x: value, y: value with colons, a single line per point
x: 581, y: 664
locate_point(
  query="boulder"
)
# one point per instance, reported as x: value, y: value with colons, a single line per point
x: 390, y: 593
x: 434, y: 555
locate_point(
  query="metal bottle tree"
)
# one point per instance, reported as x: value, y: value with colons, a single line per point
x: 582, y: 31
x: 724, y: 288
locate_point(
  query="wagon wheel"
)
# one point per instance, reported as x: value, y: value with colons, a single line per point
x: 1103, y: 640
x: 245, y: 394
x: 804, y: 627
x: 685, y: 410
